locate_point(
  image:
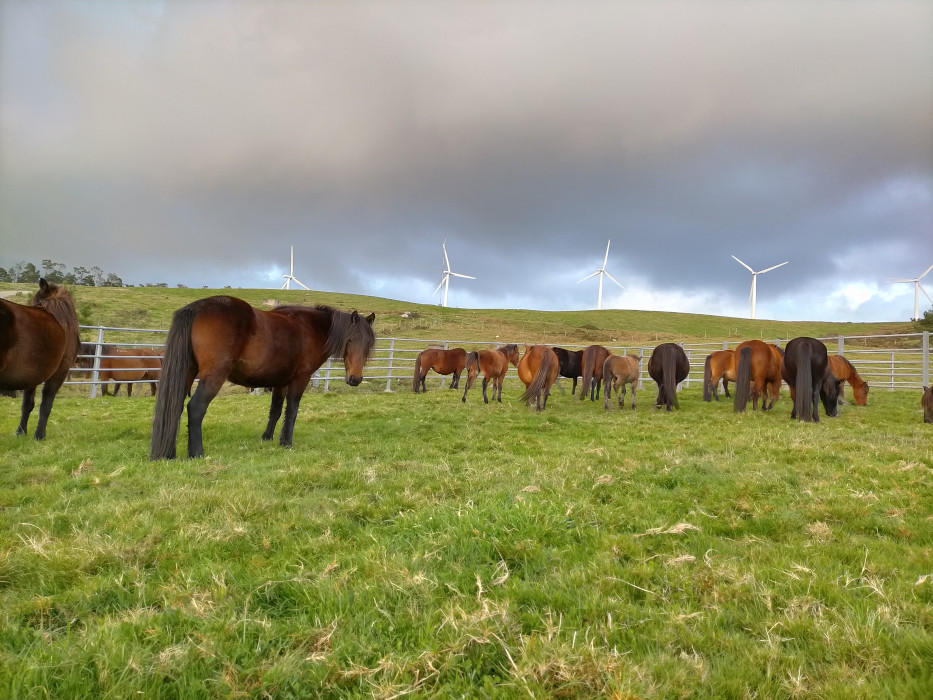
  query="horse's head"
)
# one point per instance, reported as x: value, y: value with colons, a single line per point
x: 511, y: 353
x: 359, y: 346
x: 46, y: 291
x: 860, y: 394
x: 829, y: 393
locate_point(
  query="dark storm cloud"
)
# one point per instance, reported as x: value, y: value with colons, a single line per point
x: 195, y: 142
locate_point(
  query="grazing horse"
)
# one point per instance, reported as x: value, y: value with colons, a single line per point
x: 844, y: 370
x: 593, y: 358
x: 571, y: 365
x: 441, y: 361
x: 538, y: 370
x: 668, y: 366
x: 224, y: 338
x: 806, y: 370
x: 38, y: 345
x: 494, y: 364
x: 619, y: 370
x: 719, y: 365
x: 123, y: 365
x: 756, y: 367
x: 926, y: 401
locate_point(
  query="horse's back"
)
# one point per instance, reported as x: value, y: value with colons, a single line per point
x: 33, y: 345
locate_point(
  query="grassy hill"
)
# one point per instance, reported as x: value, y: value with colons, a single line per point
x: 152, y: 307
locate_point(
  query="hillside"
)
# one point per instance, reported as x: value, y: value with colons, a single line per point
x: 152, y: 307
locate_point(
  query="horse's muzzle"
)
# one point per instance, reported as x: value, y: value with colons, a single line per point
x: 354, y: 380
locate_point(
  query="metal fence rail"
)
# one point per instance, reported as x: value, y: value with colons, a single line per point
x: 905, y: 366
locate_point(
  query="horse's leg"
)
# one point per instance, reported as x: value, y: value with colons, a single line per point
x: 129, y: 389
x: 574, y: 389
x: 621, y: 395
x: 633, y: 396
x: 725, y: 388
x: 29, y: 402
x: 197, y: 408
x: 292, y: 400
x: 275, y: 411
x: 455, y: 384
x: 485, y: 383
x: 49, y: 390
x: 816, y: 402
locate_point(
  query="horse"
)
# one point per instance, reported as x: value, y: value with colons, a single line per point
x: 719, y: 365
x: 38, y: 345
x: 538, y: 370
x: 619, y: 370
x: 756, y: 367
x: 441, y: 361
x: 223, y: 338
x: 926, y: 401
x: 806, y: 370
x: 593, y: 358
x: 571, y: 365
x: 844, y: 370
x: 494, y: 364
x: 668, y: 366
x: 123, y: 365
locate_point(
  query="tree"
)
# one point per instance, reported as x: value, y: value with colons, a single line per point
x: 83, y: 277
x: 112, y: 281
x: 926, y: 323
x: 52, y: 271
x: 30, y: 274
x: 99, y: 278
x: 5, y: 276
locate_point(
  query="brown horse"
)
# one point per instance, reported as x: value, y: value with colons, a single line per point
x: 719, y: 365
x: 223, y: 338
x: 619, y: 370
x: 806, y: 370
x: 123, y: 365
x: 538, y: 370
x: 441, y: 361
x: 38, y: 345
x: 668, y: 366
x: 494, y: 364
x: 593, y: 359
x: 773, y: 387
x: 571, y: 365
x: 843, y: 369
x: 926, y: 401
x: 756, y: 367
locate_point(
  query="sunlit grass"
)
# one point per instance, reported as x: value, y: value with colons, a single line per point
x: 412, y: 545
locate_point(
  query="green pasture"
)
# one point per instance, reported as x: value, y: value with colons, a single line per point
x: 416, y: 546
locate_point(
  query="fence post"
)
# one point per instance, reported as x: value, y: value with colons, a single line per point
x: 842, y: 344
x: 925, y: 372
x: 95, y: 372
x: 327, y: 377
x: 391, y: 357
x: 725, y: 345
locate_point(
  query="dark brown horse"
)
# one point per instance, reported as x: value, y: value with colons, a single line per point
x: 223, y: 338
x: 806, y: 370
x: 926, y: 401
x: 757, y: 367
x: 844, y: 370
x: 123, y: 365
x: 538, y: 370
x: 441, y: 361
x: 494, y: 364
x: 619, y: 370
x: 593, y: 359
x: 719, y: 365
x: 571, y: 365
x: 668, y: 366
x: 38, y: 345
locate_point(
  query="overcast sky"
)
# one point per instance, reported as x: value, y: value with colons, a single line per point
x: 194, y: 142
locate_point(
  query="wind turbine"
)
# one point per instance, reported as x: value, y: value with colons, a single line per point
x: 445, y: 280
x: 917, y: 289
x: 752, y: 295
x: 602, y: 272
x: 290, y: 277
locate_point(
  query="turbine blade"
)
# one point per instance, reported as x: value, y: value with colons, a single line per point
x: 443, y: 279
x: 588, y: 276
x: 457, y: 274
x: 743, y: 265
x: 301, y: 284
x: 924, y: 291
x: 898, y: 281
x: 773, y: 267
x: 613, y: 279
x: 605, y: 259
x: 446, y: 259
x: 925, y: 272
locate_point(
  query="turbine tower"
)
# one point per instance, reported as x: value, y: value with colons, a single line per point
x: 602, y: 272
x: 753, y: 294
x: 917, y: 289
x: 290, y: 277
x: 445, y: 280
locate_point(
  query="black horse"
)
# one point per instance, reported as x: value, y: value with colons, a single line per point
x: 806, y: 370
x: 668, y: 366
x: 571, y: 365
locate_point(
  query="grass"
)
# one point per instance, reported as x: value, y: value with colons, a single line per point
x: 415, y: 546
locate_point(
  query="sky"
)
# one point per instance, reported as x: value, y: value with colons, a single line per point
x: 195, y: 142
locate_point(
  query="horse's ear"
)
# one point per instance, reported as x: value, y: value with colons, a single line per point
x: 371, y: 318
x: 43, y: 284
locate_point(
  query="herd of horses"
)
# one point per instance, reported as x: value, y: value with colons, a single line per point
x: 223, y: 338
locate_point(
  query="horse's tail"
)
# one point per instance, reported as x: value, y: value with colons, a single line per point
x: 607, y: 381
x: 743, y: 380
x: 171, y: 397
x: 416, y: 380
x: 537, y: 384
x: 669, y: 373
x: 708, y: 379
x: 588, y: 371
x: 803, y: 385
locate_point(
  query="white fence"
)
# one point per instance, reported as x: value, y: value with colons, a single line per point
x: 885, y: 361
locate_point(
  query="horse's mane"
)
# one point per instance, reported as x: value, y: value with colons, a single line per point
x: 849, y: 366
x: 57, y: 300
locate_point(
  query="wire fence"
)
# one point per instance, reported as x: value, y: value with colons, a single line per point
x: 899, y: 361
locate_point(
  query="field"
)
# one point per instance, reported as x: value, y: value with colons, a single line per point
x: 415, y: 546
